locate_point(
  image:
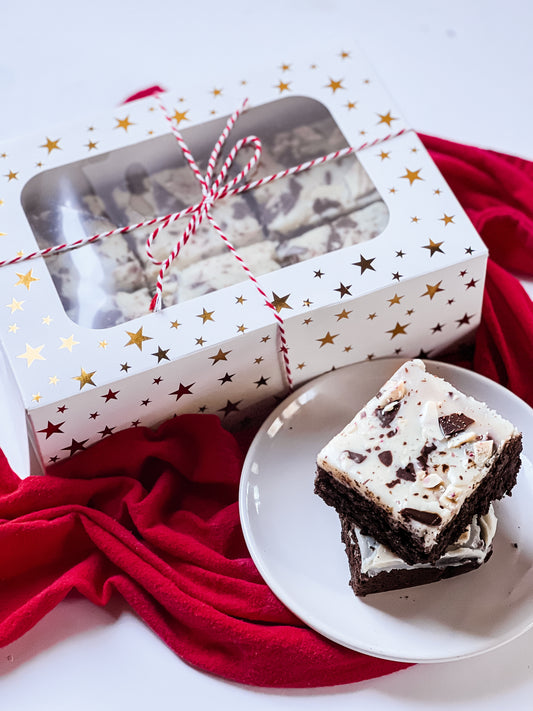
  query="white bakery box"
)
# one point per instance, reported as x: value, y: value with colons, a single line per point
x: 362, y: 257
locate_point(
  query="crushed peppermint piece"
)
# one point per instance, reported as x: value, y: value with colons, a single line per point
x: 391, y: 395
x: 483, y: 451
x: 431, y: 481
x: 429, y: 420
x: 461, y: 439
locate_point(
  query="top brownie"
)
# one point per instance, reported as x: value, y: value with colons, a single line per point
x: 417, y: 463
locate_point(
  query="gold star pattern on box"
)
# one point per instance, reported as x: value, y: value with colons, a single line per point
x: 124, y: 123
x: 412, y: 175
x: 180, y: 116
x: 51, y: 145
x: 26, y: 279
x: 137, y: 338
x: 85, y: 378
x: 68, y: 343
x: 221, y: 354
x: 387, y: 119
x: 335, y: 85
x: 434, y: 247
x: 280, y: 302
x: 32, y: 354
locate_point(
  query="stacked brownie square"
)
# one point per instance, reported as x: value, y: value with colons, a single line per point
x: 413, y: 476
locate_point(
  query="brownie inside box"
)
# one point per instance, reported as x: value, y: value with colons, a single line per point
x: 297, y: 218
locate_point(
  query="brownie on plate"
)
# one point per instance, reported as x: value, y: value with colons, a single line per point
x: 415, y: 465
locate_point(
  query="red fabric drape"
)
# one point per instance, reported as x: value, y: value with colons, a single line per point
x: 496, y: 190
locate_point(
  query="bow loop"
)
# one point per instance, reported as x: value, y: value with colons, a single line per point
x: 248, y: 168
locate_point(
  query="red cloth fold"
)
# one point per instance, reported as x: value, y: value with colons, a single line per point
x: 153, y: 516
x: 496, y: 191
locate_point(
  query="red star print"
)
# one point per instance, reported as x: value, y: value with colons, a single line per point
x: 75, y: 446
x: 230, y: 407
x: 51, y: 429
x: 182, y: 390
x: 464, y: 321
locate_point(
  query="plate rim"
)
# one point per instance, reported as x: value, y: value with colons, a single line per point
x: 277, y: 588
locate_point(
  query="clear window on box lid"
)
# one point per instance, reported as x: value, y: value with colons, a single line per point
x: 279, y: 224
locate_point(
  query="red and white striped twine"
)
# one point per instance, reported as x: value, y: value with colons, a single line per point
x: 212, y: 190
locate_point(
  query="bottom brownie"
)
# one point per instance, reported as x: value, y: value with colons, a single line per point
x: 373, y: 568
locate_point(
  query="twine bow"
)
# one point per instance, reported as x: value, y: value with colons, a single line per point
x: 213, y: 189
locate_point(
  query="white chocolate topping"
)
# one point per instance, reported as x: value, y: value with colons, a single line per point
x: 472, y: 546
x: 419, y: 448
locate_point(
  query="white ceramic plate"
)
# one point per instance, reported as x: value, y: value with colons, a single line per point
x: 294, y: 537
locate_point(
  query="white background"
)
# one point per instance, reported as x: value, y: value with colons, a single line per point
x: 459, y: 69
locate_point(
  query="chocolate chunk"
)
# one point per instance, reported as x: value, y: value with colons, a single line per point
x: 387, y: 416
x: 393, y: 432
x: 321, y: 205
x: 407, y: 473
x: 454, y: 423
x: 392, y: 484
x: 424, y: 454
x: 355, y: 456
x: 385, y: 457
x: 426, y: 517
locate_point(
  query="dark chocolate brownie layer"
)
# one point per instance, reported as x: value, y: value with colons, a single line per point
x: 363, y: 584
x: 394, y: 534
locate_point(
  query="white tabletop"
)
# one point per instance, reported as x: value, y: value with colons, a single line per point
x: 459, y: 70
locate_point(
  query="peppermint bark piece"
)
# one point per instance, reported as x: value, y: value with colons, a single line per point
x: 417, y: 463
x: 357, y: 227
x: 224, y: 270
x: 170, y: 191
x: 288, y: 207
